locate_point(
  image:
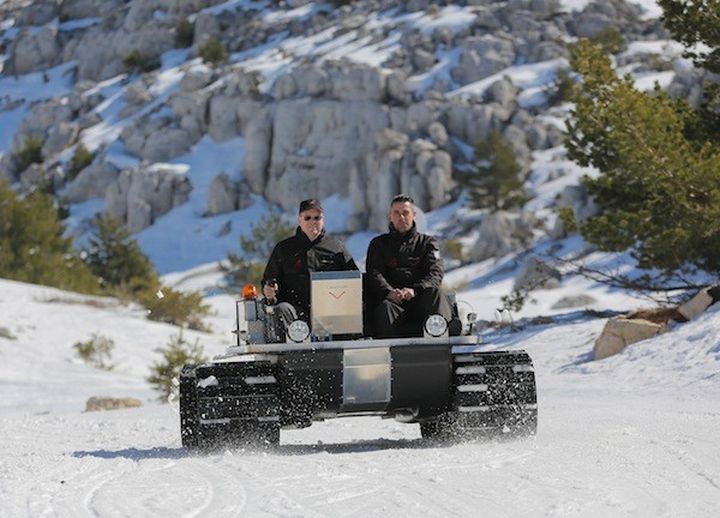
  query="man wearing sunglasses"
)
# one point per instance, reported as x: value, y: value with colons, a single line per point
x: 404, y: 273
x: 287, y: 274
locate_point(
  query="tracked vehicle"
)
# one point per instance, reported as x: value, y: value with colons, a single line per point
x: 328, y: 368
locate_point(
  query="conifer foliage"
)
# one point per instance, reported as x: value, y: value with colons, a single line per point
x: 175, y: 355
x: 249, y: 267
x: 697, y: 25
x: 116, y: 259
x: 659, y: 191
x: 33, y: 248
x: 495, y: 180
x: 692, y: 22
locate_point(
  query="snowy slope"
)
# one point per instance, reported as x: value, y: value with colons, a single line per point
x: 632, y: 435
x: 183, y: 238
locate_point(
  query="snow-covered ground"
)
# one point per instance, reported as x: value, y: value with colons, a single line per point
x: 633, y: 435
x: 637, y: 434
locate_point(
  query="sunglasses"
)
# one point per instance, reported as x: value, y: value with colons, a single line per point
x: 316, y: 218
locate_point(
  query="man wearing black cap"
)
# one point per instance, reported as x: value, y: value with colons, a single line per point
x: 404, y: 272
x: 287, y: 274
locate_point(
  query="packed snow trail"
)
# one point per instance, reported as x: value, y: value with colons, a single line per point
x: 597, y: 453
x: 633, y: 435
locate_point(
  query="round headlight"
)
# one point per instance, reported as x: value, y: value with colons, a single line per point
x: 436, y: 325
x: 298, y: 331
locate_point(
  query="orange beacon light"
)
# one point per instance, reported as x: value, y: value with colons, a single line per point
x: 249, y: 292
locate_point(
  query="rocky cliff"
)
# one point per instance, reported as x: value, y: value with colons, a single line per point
x: 363, y: 100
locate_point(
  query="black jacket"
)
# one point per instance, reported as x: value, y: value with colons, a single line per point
x: 403, y: 260
x: 294, y: 258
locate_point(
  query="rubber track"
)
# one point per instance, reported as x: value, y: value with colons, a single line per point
x: 232, y: 402
x: 494, y: 390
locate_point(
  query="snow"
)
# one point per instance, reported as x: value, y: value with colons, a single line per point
x: 530, y: 79
x: 453, y: 17
x: 649, y: 8
x: 632, y: 435
x: 647, y: 82
x: 39, y: 86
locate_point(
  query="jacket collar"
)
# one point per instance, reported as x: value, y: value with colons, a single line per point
x: 304, y: 239
x: 395, y: 234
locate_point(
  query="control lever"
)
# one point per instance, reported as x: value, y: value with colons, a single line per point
x: 272, y: 326
x: 271, y: 283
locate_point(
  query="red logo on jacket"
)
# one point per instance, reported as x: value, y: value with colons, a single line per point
x: 392, y: 262
x: 299, y: 265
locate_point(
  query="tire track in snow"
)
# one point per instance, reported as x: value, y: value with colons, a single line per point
x: 160, y: 488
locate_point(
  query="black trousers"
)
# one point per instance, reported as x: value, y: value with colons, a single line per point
x: 407, y: 318
x: 277, y: 318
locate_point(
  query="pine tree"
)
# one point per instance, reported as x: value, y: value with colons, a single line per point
x: 659, y: 191
x: 495, y: 180
x: 697, y: 25
x: 693, y: 22
x: 175, y: 355
x: 115, y: 257
x: 32, y: 245
x: 250, y: 265
x: 213, y: 52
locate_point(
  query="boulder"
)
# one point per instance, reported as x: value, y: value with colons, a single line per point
x: 537, y: 274
x: 500, y: 233
x: 314, y: 145
x: 374, y: 185
x: 396, y: 91
x: 303, y: 81
x: 191, y: 109
x: 422, y: 60
x: 137, y: 197
x: 137, y: 93
x: 77, y: 9
x: 206, y: 26
x: 33, y: 177
x: 482, y: 57
x: 243, y: 84
x: 91, y: 182
x: 356, y: 82
x: 438, y: 134
x: 503, y: 92
x: 471, y: 123
x: 222, y: 195
x: 574, y: 301
x: 258, y: 143
x: 223, y: 123
x: 59, y: 137
x: 197, y: 77
x: 42, y: 117
x: 619, y: 332
x: 588, y: 25
x: 698, y: 303
x: 167, y: 144
x: 38, y: 13
x: 98, y: 403
x: 100, y: 51
x: 31, y: 51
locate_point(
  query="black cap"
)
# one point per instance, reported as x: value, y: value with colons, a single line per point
x: 312, y: 203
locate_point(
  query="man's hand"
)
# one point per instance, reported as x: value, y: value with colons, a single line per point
x: 407, y: 293
x: 398, y: 295
x: 270, y: 291
x: 395, y: 296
